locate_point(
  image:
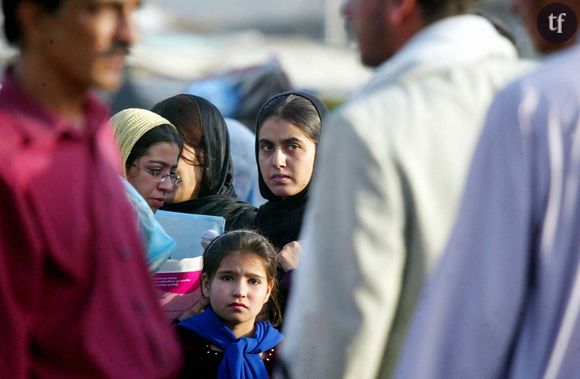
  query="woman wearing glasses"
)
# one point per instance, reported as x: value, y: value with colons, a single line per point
x: 150, y: 148
x: 205, y: 165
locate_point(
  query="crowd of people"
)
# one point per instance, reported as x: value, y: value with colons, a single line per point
x: 426, y: 228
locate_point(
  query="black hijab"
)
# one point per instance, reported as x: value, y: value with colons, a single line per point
x: 216, y: 195
x: 280, y: 219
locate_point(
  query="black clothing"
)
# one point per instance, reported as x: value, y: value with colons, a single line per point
x: 216, y: 196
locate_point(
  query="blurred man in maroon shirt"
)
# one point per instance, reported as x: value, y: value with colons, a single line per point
x: 75, y: 295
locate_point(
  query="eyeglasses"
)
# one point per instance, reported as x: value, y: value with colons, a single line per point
x: 159, y: 176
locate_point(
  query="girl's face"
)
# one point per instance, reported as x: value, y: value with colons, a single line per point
x: 160, y: 159
x: 238, y: 291
x: 285, y: 156
x: 191, y: 173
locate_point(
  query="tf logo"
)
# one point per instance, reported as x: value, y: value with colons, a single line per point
x: 557, y: 23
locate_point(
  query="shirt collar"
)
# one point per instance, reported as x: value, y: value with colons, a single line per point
x: 448, y: 42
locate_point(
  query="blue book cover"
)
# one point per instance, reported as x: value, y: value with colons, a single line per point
x: 187, y: 229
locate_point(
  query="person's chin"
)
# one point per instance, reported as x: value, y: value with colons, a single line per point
x: 283, y: 192
x: 155, y: 204
x: 109, y: 80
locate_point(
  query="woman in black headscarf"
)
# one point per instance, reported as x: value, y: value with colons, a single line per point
x: 205, y: 165
x: 287, y: 133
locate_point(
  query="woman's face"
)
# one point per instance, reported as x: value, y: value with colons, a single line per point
x: 238, y: 291
x: 191, y: 172
x: 160, y: 159
x: 285, y: 156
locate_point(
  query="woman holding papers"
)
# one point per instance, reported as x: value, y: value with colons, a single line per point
x: 287, y: 133
x: 205, y: 165
x: 150, y: 147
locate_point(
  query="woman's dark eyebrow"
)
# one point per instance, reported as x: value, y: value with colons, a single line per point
x: 291, y: 140
x: 284, y: 141
x: 162, y: 163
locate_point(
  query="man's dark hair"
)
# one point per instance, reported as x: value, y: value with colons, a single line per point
x: 434, y: 10
x: 12, y: 27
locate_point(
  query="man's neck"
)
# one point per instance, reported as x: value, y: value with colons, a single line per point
x: 49, y: 89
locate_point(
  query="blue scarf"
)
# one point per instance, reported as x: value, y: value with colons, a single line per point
x: 241, y: 356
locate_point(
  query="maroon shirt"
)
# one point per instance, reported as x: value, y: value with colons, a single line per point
x: 76, y: 299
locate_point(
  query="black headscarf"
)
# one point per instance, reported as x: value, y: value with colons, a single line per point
x: 281, y: 219
x: 216, y: 195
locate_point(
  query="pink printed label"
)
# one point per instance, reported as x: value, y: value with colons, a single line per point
x: 177, y: 282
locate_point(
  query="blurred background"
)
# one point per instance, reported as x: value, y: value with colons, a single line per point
x: 238, y: 52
